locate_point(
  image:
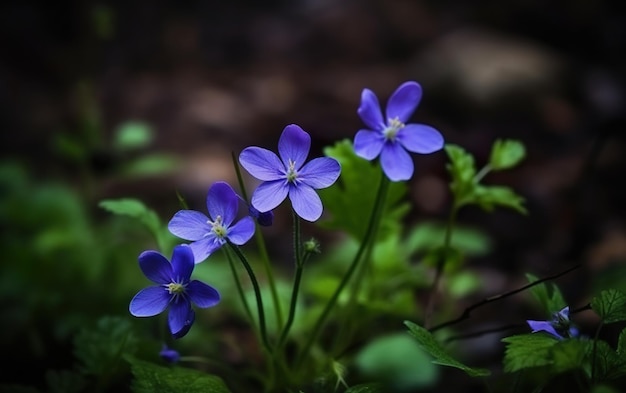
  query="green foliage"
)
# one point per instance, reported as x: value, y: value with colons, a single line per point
x: 465, y: 184
x: 610, y: 305
x: 397, y: 361
x: 528, y: 350
x: 428, y: 343
x: 548, y: 295
x: 133, y: 135
x: 100, y: 350
x: 150, y: 378
x: 506, y: 154
x: 367, y: 388
x: 609, y: 364
x: 136, y: 209
x: 351, y: 199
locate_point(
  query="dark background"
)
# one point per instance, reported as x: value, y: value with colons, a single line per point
x: 216, y: 76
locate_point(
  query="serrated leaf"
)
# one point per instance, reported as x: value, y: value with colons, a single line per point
x: 440, y: 355
x: 100, y: 350
x: 488, y: 197
x: 397, y: 361
x: 367, y: 388
x: 548, y: 295
x: 136, y: 209
x: 462, y: 170
x: 506, y: 154
x: 568, y: 355
x: 150, y: 378
x: 527, y: 350
x: 621, y: 344
x: 349, y: 202
x: 608, y: 364
x: 610, y: 305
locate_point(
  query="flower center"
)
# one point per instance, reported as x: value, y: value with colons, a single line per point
x: 175, y: 288
x: 292, y: 174
x: 217, y: 227
x: 393, y: 127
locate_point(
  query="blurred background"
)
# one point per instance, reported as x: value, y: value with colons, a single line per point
x: 145, y: 99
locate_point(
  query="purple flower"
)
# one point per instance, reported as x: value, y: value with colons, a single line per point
x: 210, y: 233
x: 288, y: 175
x: 174, y: 289
x: 392, y: 137
x: 169, y: 355
x: 560, y: 325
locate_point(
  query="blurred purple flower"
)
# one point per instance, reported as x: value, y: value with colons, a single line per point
x: 265, y: 219
x: 174, y: 289
x: 560, y: 326
x: 288, y: 175
x: 210, y: 233
x: 169, y: 355
x: 392, y: 137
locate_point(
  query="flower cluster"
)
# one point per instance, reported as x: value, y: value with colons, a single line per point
x: 283, y: 175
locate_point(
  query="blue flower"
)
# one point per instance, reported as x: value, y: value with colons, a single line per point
x: 288, y: 175
x: 560, y: 326
x: 174, y: 289
x: 169, y: 355
x: 392, y: 137
x: 208, y: 234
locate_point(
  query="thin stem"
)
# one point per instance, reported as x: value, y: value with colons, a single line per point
x: 370, y: 232
x: 294, y: 299
x: 242, y: 295
x: 593, y: 353
x: 430, y: 305
x: 467, y: 312
x: 257, y: 294
x: 260, y: 241
x: 482, y: 173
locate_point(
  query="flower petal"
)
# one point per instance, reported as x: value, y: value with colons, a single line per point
x: 189, y: 225
x: 404, y: 101
x: 202, y: 249
x: 149, y: 301
x: 369, y: 110
x: 420, y: 138
x: 242, y: 231
x: 396, y: 162
x: 545, y: 326
x: 156, y: 267
x: 179, y: 315
x: 202, y: 295
x: 368, y: 144
x: 305, y: 201
x: 262, y: 163
x: 320, y: 172
x: 294, y: 145
x: 182, y: 263
x: 191, y: 317
x: 222, y: 201
x: 269, y: 194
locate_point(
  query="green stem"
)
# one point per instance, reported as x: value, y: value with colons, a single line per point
x: 257, y: 294
x: 242, y: 295
x: 440, y: 266
x: 593, y: 353
x: 260, y: 241
x: 294, y: 299
x: 482, y: 173
x: 369, y: 236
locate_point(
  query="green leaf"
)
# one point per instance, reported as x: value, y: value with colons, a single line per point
x: 153, y: 164
x: 397, y: 361
x: 608, y: 363
x: 488, y: 197
x: 462, y: 170
x: 506, y: 154
x: 349, y: 202
x: 610, y: 305
x: 367, y: 388
x: 150, y: 378
x: 468, y: 240
x: 528, y: 350
x: 136, y: 209
x: 548, y: 295
x: 133, y: 135
x: 568, y: 355
x: 621, y: 344
x: 441, y: 357
x: 100, y: 350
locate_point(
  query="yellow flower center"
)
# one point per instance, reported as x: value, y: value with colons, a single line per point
x: 393, y: 127
x: 217, y: 228
x: 175, y: 288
